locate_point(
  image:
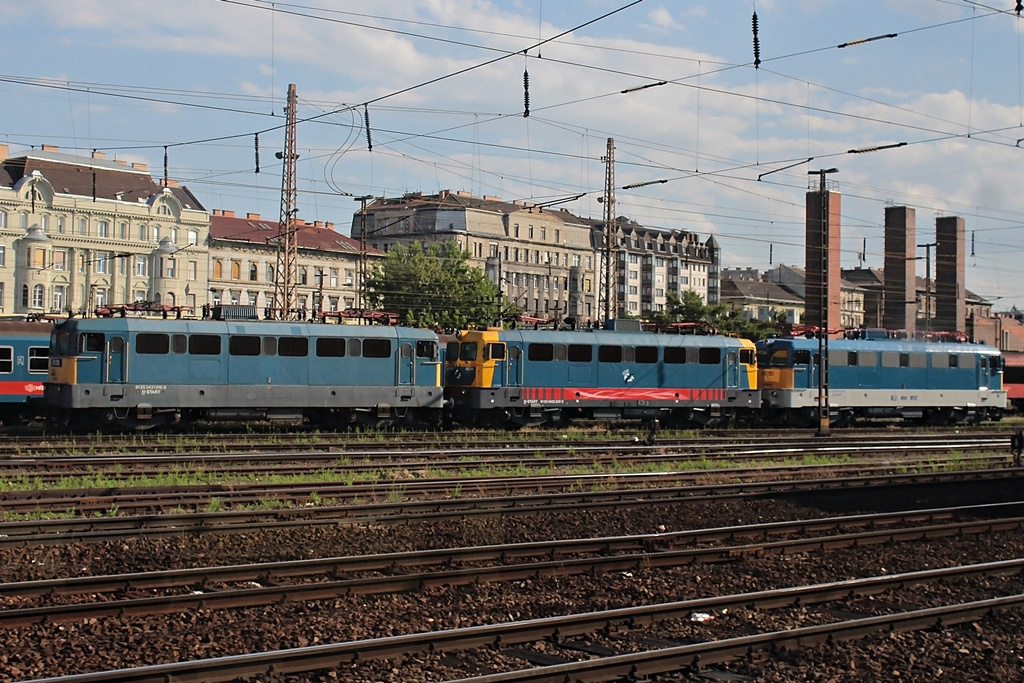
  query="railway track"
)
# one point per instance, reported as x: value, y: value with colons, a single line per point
x: 153, y: 593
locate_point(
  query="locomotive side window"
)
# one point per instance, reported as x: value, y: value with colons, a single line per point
x: 779, y: 359
x: 628, y: 354
x: 494, y: 352
x: 270, y: 346
x: 149, y: 342
x: 179, y: 343
x: 675, y: 354
x: 966, y: 360
x: 837, y: 358
x: 996, y: 362
x: 867, y: 359
x: 243, y: 346
x: 540, y: 352
x: 747, y: 356
x: 6, y: 360
x: 428, y: 349
x: 890, y: 359
x: 333, y: 347
x: 514, y: 353
x: 710, y: 356
x: 295, y: 347
x: 377, y: 348
x: 984, y: 361
x: 904, y: 360
x: 451, y: 351
x: 647, y: 354
x: 580, y: 353
x: 560, y: 352
x: 405, y: 350
x: 918, y: 360
x: 204, y: 345
x: 39, y: 359
x: 355, y: 349
x: 802, y: 357
x: 609, y: 354
x: 92, y: 341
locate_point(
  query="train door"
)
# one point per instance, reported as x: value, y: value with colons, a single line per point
x: 514, y: 366
x: 406, y: 362
x: 805, y: 373
x: 117, y: 359
x: 984, y: 374
x: 733, y: 370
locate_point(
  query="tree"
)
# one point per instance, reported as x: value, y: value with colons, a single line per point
x: 433, y: 286
x: 691, y: 308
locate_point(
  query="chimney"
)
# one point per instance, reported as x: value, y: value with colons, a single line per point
x: 172, y: 183
x: 51, y: 148
x: 96, y: 154
x: 227, y: 214
x: 140, y: 166
x: 5, y: 152
x: 252, y: 216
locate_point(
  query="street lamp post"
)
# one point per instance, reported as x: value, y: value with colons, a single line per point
x: 823, y: 304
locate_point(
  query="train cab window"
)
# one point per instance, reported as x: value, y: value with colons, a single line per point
x: 851, y: 358
x: 39, y: 359
x: 6, y: 360
x: 918, y: 360
x: 779, y: 359
x: 983, y: 361
x: 514, y: 353
x: 92, y: 342
x: 451, y: 351
x: 333, y: 347
x: 494, y: 352
x: 355, y: 348
x: 647, y: 354
x: 467, y: 351
x: 801, y: 357
x: 966, y: 360
x: 580, y: 353
x: 867, y: 359
x: 152, y: 343
x: 675, y: 354
x: 405, y: 350
x: 560, y: 352
x: 710, y: 356
x: 428, y: 349
x: 297, y: 347
x: 204, y: 345
x: 244, y: 346
x: 609, y: 354
x: 63, y: 343
x: 540, y: 352
x: 269, y: 346
x: 117, y: 344
x: 890, y: 359
x: 628, y: 354
x: 747, y: 357
x: 996, y: 362
x: 376, y: 348
x: 179, y: 343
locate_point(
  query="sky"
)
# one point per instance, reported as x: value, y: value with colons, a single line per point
x: 716, y: 144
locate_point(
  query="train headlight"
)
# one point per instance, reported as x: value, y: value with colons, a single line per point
x: 56, y: 362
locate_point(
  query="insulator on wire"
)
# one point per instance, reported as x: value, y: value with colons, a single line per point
x: 526, y: 93
x: 1020, y: 6
x: 366, y: 120
x: 165, y: 165
x: 257, y: 151
x: 757, y: 43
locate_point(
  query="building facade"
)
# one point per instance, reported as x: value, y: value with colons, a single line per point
x: 78, y: 233
x: 549, y: 262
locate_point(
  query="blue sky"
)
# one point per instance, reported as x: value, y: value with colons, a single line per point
x: 442, y: 81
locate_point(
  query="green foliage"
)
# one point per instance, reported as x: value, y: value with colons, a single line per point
x: 692, y: 309
x: 433, y: 286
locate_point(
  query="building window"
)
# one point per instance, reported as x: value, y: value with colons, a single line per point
x: 140, y: 266
x: 348, y: 277
x: 3, y: 255
x: 24, y: 296
x: 122, y: 266
x: 174, y: 235
x: 167, y: 266
x: 45, y: 218
x: 156, y: 233
x: 38, y: 258
x: 23, y: 220
x: 101, y: 262
x: 143, y: 233
x: 270, y: 273
x: 334, y: 278
x: 236, y: 270
x: 3, y: 219
x: 58, y: 298
x: 543, y: 233
x: 193, y: 237
x: 253, y: 272
x: 192, y: 268
x: 122, y: 230
x: 218, y: 270
x: 99, y: 297
x: 302, y: 276
x: 38, y: 296
x: 103, y: 229
x: 140, y: 295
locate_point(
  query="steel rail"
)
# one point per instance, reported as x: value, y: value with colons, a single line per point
x: 555, y: 629
x: 223, y: 598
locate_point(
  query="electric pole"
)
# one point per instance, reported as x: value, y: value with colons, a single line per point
x: 610, y: 306
x: 287, y: 254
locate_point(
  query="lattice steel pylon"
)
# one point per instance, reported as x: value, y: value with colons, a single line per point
x: 287, y: 254
x: 610, y: 295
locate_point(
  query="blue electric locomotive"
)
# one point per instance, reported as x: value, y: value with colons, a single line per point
x: 934, y: 382
x: 511, y: 378
x: 134, y: 373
